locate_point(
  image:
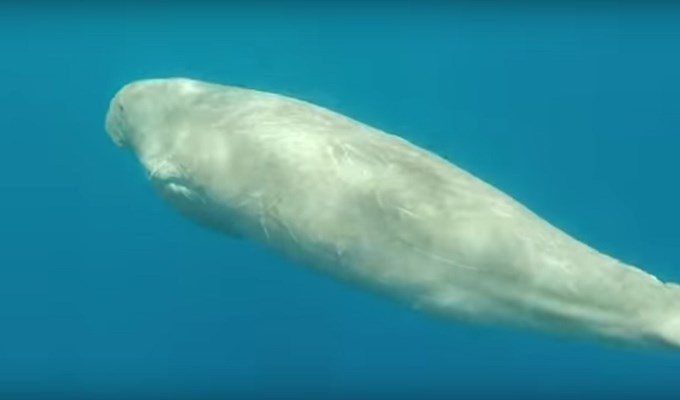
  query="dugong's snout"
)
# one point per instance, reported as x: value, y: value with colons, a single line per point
x: 113, y: 124
x: 118, y: 124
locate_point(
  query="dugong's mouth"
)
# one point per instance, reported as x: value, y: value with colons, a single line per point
x: 174, y: 187
x: 169, y: 176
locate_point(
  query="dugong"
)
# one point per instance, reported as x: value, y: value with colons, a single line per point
x: 374, y: 210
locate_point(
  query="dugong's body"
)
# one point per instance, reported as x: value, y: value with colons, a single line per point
x: 372, y: 209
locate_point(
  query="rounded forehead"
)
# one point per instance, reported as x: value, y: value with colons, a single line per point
x: 186, y: 86
x: 166, y: 87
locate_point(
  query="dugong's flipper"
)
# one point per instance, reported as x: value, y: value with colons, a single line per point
x: 372, y: 209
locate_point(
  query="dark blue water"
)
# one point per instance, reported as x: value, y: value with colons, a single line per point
x: 105, y: 290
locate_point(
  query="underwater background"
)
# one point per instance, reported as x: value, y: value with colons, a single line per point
x: 105, y: 291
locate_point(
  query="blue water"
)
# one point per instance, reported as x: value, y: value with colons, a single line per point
x: 105, y: 290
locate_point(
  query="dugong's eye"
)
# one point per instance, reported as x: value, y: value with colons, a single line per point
x: 121, y: 108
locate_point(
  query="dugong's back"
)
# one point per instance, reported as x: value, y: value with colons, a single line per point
x: 373, y: 209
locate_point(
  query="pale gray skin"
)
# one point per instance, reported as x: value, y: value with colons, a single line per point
x: 374, y: 210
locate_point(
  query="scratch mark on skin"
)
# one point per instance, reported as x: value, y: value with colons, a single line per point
x: 438, y: 257
x: 152, y: 174
x: 264, y: 210
x: 331, y: 154
x: 378, y: 199
x: 407, y: 212
x: 290, y: 231
x: 346, y: 149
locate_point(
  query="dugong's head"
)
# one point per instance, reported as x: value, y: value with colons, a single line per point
x: 169, y: 125
x: 192, y: 138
